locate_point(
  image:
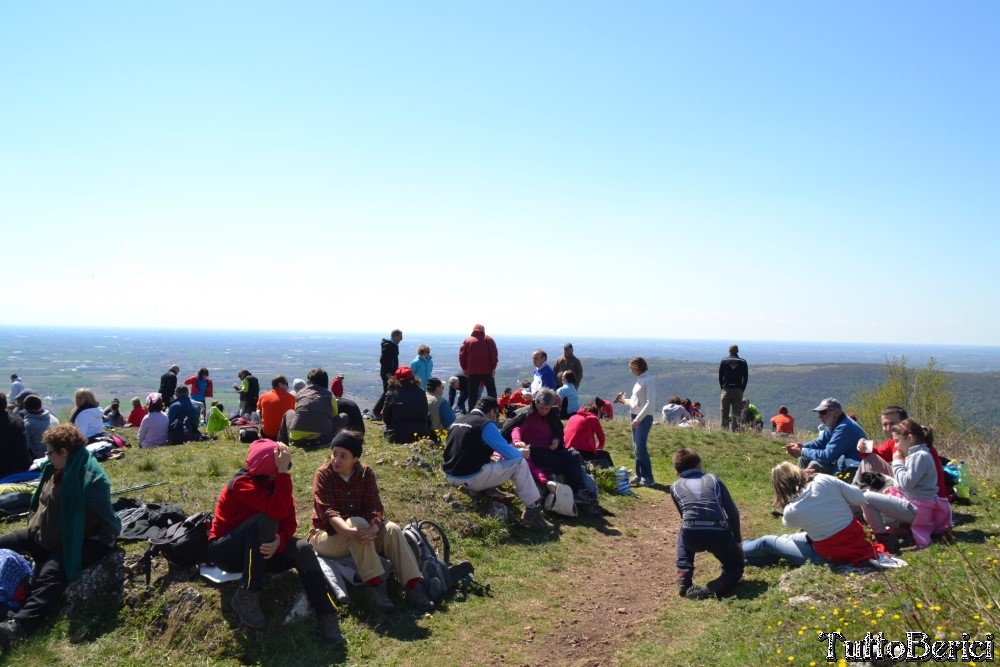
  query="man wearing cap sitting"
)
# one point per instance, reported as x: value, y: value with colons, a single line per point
x: 468, y: 463
x: 835, y: 451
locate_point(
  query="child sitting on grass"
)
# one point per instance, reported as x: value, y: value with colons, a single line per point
x: 710, y: 522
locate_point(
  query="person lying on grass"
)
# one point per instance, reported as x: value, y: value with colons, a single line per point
x: 710, y: 522
x: 348, y: 519
x: 821, y: 507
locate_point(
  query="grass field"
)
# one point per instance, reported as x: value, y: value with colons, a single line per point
x: 948, y: 589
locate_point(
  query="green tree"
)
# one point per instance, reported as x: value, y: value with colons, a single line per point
x: 925, y: 393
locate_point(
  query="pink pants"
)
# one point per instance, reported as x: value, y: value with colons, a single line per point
x: 933, y: 518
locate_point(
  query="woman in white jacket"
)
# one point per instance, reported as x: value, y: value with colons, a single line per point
x: 641, y: 405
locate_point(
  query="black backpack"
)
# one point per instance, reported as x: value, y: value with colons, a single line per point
x: 184, y: 544
x: 181, y: 430
x: 440, y: 576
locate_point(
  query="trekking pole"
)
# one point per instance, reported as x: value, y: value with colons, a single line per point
x: 11, y: 518
x: 137, y: 487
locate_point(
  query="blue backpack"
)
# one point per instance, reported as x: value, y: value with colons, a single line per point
x: 14, y: 574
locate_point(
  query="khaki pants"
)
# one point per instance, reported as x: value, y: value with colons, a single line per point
x: 390, y: 542
x: 731, y: 404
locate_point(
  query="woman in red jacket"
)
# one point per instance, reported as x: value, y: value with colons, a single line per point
x: 253, y: 532
x: 201, y: 389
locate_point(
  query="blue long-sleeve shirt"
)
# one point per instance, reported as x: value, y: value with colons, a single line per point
x: 841, y: 440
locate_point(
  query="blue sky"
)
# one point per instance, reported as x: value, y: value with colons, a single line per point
x: 718, y: 170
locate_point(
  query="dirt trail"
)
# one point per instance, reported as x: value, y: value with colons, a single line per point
x: 625, y: 578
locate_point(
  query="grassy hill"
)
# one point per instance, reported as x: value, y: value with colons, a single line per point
x: 587, y: 576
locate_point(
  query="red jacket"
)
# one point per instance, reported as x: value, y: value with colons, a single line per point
x: 135, y: 417
x: 246, y: 496
x: 888, y: 448
x: 337, y: 387
x: 581, y: 429
x: 850, y: 545
x: 478, y: 354
x: 193, y: 383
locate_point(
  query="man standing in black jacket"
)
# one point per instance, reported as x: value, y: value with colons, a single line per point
x: 168, y: 384
x: 733, y: 376
x: 388, y: 362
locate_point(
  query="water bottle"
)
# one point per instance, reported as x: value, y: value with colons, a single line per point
x: 962, y: 488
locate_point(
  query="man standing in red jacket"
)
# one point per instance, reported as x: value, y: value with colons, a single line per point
x: 478, y: 359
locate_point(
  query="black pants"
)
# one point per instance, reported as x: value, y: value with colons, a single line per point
x: 239, y: 551
x: 474, y: 381
x: 381, y: 399
x: 719, y: 543
x: 50, y: 575
x: 565, y: 462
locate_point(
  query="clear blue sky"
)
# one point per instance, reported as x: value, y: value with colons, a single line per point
x: 720, y: 170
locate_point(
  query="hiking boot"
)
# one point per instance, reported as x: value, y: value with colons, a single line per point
x: 11, y: 632
x: 584, y: 497
x: 380, y: 597
x: 246, y: 604
x: 532, y: 518
x: 329, y: 625
x: 417, y: 599
x: 699, y: 592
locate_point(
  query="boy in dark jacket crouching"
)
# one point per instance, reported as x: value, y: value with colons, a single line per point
x: 710, y: 522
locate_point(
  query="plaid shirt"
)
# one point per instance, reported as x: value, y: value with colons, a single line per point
x: 332, y: 496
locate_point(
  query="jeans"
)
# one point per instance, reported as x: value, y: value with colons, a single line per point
x: 643, y: 466
x: 770, y: 549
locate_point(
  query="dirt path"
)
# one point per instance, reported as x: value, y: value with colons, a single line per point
x: 625, y: 578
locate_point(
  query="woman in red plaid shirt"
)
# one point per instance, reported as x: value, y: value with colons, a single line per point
x: 348, y: 519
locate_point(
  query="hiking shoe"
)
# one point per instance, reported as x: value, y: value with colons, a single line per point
x: 583, y: 497
x: 532, y: 518
x: 590, y: 510
x: 246, y: 604
x: 11, y: 632
x: 699, y: 592
x: 380, y: 597
x: 776, y: 513
x: 636, y: 481
x: 417, y: 599
x: 329, y: 625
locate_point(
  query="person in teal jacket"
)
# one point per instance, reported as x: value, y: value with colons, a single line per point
x: 423, y: 365
x: 71, y: 525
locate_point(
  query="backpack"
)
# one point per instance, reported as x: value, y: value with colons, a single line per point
x: 181, y: 431
x: 184, y: 544
x: 440, y: 576
x: 147, y: 520
x: 14, y: 574
x: 249, y: 433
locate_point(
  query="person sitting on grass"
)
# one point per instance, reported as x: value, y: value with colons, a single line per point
x: 834, y: 452
x: 441, y: 414
x: 405, y: 413
x: 217, y: 419
x: 914, y: 498
x: 710, y: 522
x: 71, y: 525
x: 674, y: 411
x: 569, y: 398
x: 316, y: 418
x: 88, y: 416
x: 253, y: 532
x: 468, y: 460
x: 783, y: 423
x: 136, y: 414
x: 113, y: 414
x: 585, y: 434
x: 539, y: 428
x: 822, y: 507
x: 182, y: 418
x: 348, y: 518
x: 155, y: 427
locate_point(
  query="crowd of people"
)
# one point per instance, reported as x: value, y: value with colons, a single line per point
x: 539, y: 431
